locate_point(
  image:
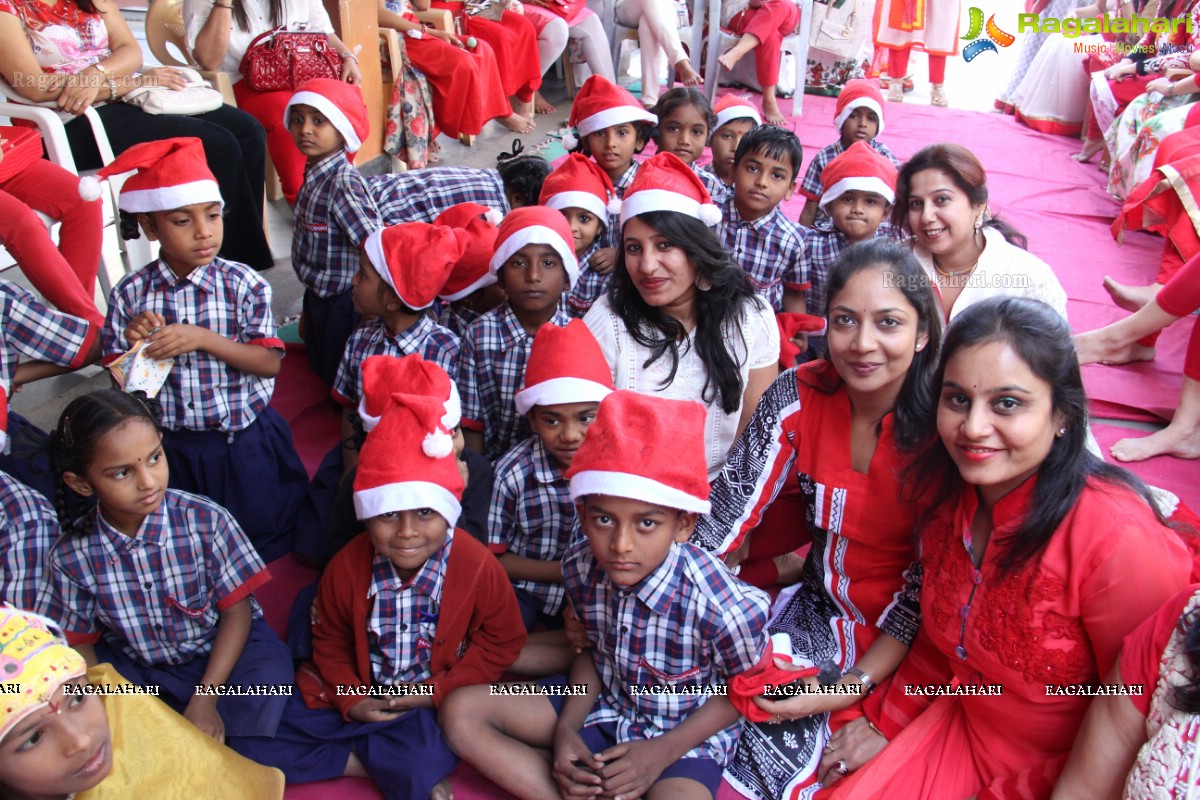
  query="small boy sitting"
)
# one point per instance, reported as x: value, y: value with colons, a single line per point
x: 420, y: 195
x: 532, y: 518
x: 471, y: 290
x: 736, y: 116
x: 583, y: 193
x: 405, y: 614
x: 334, y: 214
x: 768, y: 246
x: 536, y: 264
x: 660, y: 614
x: 858, y: 117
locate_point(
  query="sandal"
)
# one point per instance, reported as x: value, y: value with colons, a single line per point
x: 896, y: 92
x: 937, y: 96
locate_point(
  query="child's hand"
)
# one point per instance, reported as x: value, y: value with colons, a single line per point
x: 603, y: 260
x: 574, y: 765
x: 631, y: 768
x: 141, y: 326
x: 201, y: 711
x: 576, y: 635
x: 801, y: 341
x: 378, y: 709
x: 177, y: 340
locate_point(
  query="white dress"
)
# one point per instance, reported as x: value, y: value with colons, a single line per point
x: 309, y: 14
x: 757, y: 347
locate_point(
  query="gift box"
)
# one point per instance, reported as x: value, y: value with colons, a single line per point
x: 22, y: 146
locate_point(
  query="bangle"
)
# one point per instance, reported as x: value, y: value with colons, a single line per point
x: 112, y: 89
x: 864, y: 678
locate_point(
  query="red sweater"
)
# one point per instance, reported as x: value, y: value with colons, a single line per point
x: 479, y: 630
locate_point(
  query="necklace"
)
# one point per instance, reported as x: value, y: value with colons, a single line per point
x: 955, y: 273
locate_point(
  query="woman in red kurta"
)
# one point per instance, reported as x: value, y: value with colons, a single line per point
x: 1040, y: 560
x: 839, y: 432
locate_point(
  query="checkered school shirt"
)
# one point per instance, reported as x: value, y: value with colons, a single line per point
x: 491, y: 368
x: 202, y: 392
x: 770, y: 249
x: 456, y: 318
x: 688, y: 623
x: 29, y: 331
x: 420, y: 195
x: 812, y: 188
x: 822, y: 248
x: 30, y: 527
x: 427, y: 339
x: 612, y: 231
x: 716, y: 188
x: 532, y: 515
x: 157, y: 595
x: 404, y: 617
x: 334, y: 216
x: 588, y: 287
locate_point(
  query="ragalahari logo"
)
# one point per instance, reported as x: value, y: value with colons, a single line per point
x: 995, y: 35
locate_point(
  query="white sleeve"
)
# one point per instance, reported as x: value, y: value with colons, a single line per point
x: 195, y: 14
x: 318, y: 18
x: 601, y: 321
x: 762, y: 337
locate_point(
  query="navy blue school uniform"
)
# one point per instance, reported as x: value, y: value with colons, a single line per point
x: 30, y: 528
x: 151, y: 605
x: 222, y: 438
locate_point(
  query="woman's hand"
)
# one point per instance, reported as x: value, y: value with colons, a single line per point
x: 852, y: 746
x: 166, y: 77
x: 80, y: 92
x: 445, y: 36
x: 350, y: 72
x: 1121, y: 71
x: 1160, y: 85
x: 804, y: 704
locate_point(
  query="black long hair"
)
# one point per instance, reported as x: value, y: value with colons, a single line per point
x: 718, y: 308
x: 1187, y: 697
x: 683, y: 96
x: 1042, y: 339
x: 73, y: 442
x: 242, y: 20
x: 967, y: 174
x: 900, y: 268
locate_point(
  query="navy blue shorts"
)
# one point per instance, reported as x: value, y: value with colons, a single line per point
x: 531, y: 614
x: 328, y: 323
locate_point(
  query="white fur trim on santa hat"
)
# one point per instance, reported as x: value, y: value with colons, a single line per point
x: 537, y: 234
x: 3, y: 441
x: 577, y: 199
x: 614, y: 115
x: 739, y: 111
x: 570, y: 139
x: 859, y: 102
x: 634, y: 487
x: 405, y: 496
x: 648, y: 200
x: 558, y: 391
x: 334, y: 114
x: 450, y: 419
x: 861, y: 184
x: 487, y: 279
x: 168, y: 198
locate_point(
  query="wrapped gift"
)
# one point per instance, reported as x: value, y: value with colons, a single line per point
x: 137, y: 372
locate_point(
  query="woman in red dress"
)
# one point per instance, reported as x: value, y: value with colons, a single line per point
x: 1037, y: 560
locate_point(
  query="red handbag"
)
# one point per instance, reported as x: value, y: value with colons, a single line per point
x: 280, y: 60
x: 22, y: 146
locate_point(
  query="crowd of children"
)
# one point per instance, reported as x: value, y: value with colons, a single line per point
x: 499, y: 504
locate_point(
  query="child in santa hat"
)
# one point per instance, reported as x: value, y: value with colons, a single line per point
x: 681, y: 318
x: 420, y: 195
x: 661, y: 615
x: 406, y: 613
x: 535, y: 262
x: 860, y: 189
x: 767, y: 245
x: 532, y: 520
x: 472, y: 288
x: 214, y: 318
x: 858, y: 117
x: 736, y: 116
x: 685, y: 125
x: 334, y: 214
x: 585, y: 196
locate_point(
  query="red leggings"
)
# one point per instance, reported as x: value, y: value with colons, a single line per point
x: 769, y: 23
x: 898, y: 65
x: 267, y: 108
x: 1180, y: 297
x: 66, y: 275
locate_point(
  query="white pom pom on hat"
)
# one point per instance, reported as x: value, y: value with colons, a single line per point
x: 570, y: 139
x: 89, y: 188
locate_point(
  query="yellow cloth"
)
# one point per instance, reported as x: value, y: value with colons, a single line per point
x: 157, y: 753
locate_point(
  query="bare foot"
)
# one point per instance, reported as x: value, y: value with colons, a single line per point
x: 517, y: 123
x: 1130, y: 298
x: 541, y: 106
x: 443, y: 791
x: 1180, y: 441
x: 686, y: 74
x: 790, y: 566
x: 730, y: 58
x: 1090, y: 148
x: 1100, y: 347
x: 772, y: 115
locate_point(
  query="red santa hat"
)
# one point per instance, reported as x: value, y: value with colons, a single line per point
x: 566, y: 365
x: 471, y: 272
x: 579, y: 182
x: 415, y: 259
x: 340, y: 102
x: 665, y: 183
x: 536, y: 225
x: 860, y: 167
x: 858, y: 93
x: 644, y: 447
x: 732, y: 106
x: 601, y: 104
x: 408, y: 461
x: 171, y: 173
x: 413, y: 375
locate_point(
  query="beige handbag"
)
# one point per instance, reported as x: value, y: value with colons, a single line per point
x: 833, y: 28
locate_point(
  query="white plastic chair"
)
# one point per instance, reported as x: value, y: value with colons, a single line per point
x: 796, y: 43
